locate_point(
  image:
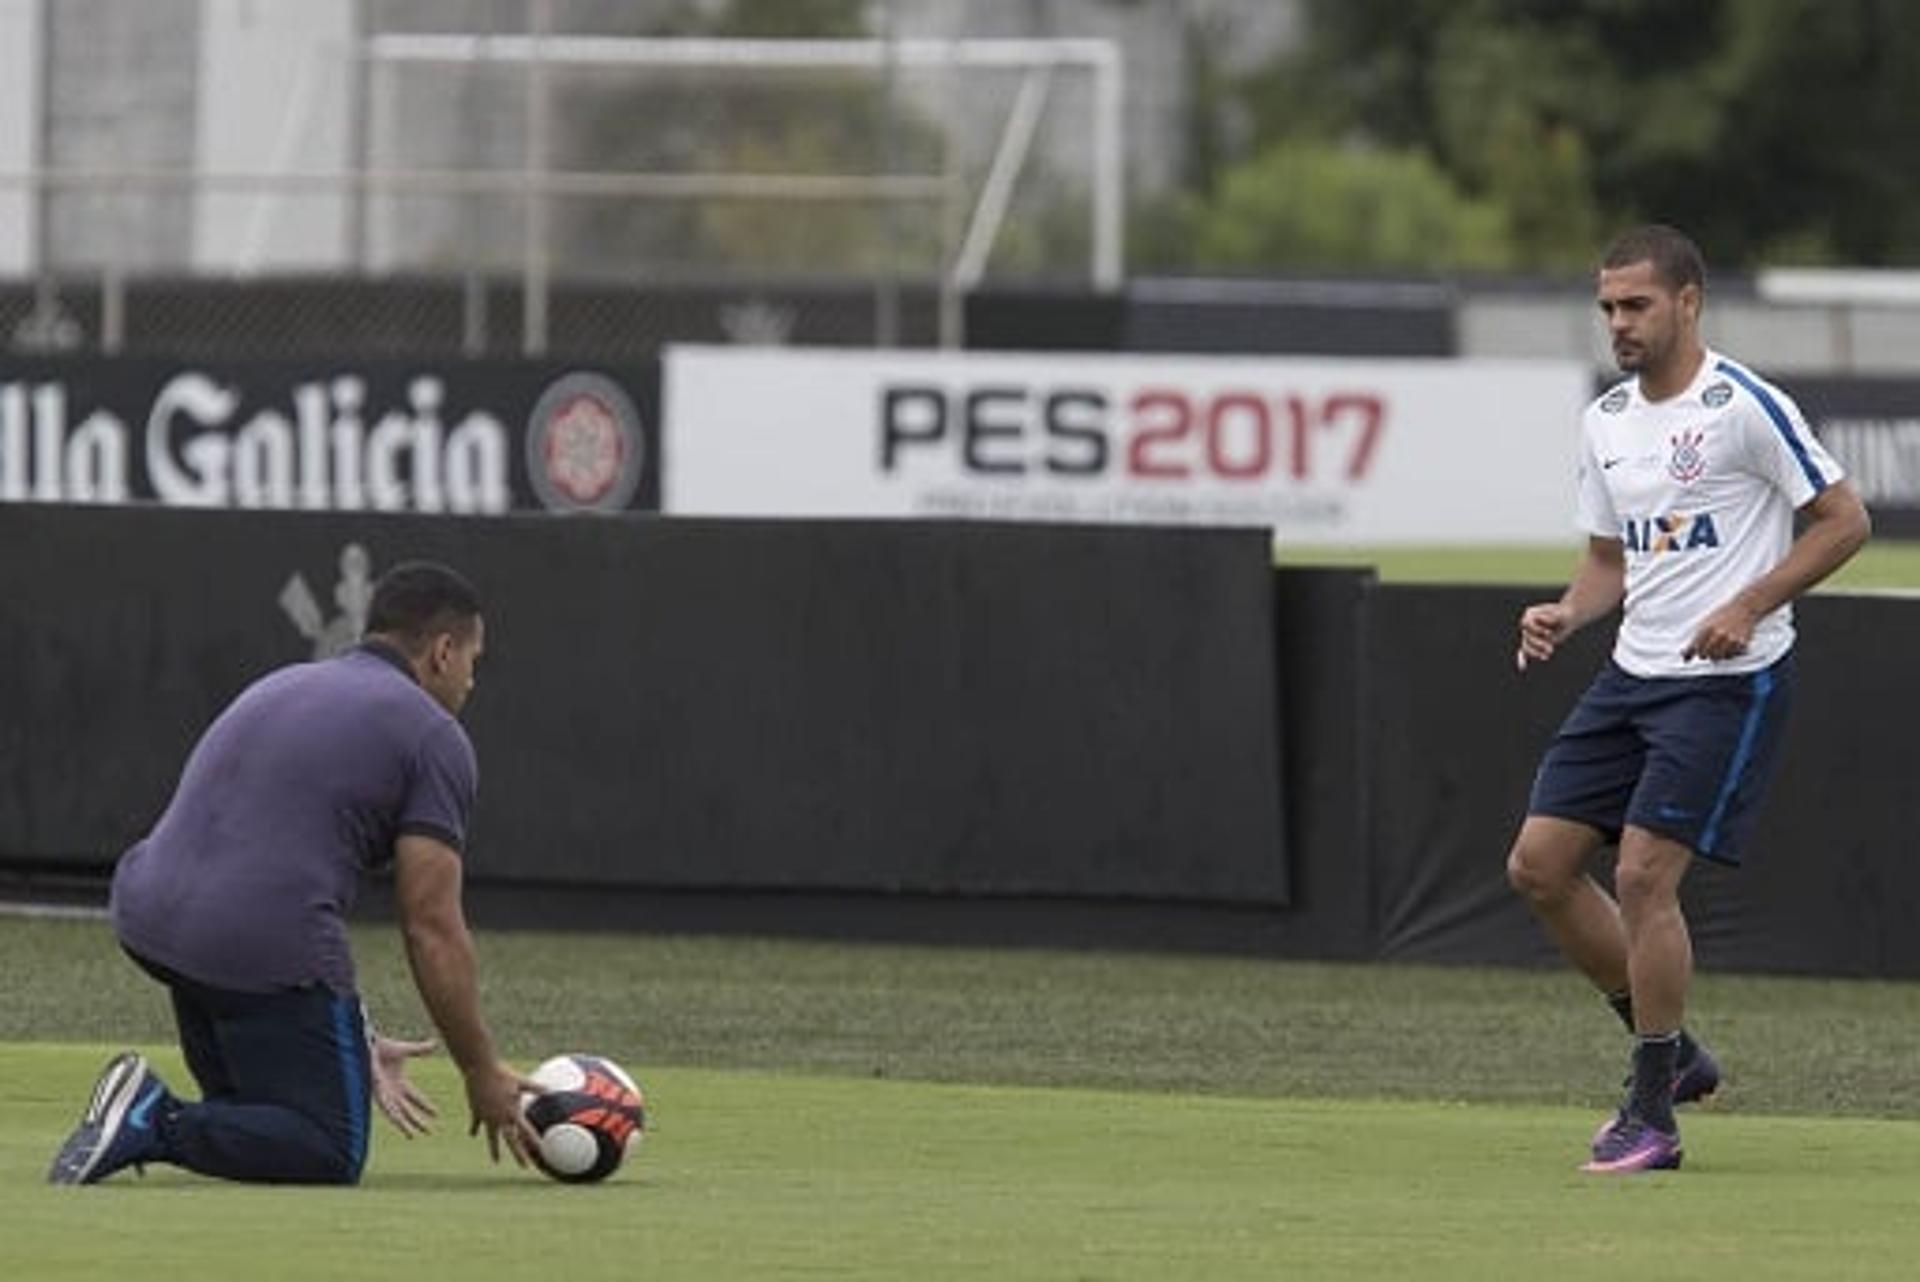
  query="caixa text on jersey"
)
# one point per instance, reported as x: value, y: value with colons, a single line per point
x: 320, y: 444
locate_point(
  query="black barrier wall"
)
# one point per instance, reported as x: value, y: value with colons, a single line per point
x: 882, y: 707
x: 1872, y: 426
x: 1829, y: 884
x: 1057, y: 735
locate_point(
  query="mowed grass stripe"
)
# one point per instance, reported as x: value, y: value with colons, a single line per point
x: 1884, y: 564
x: 782, y: 1176
x: 1129, y: 1021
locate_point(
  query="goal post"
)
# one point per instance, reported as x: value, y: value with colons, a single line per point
x: 993, y: 122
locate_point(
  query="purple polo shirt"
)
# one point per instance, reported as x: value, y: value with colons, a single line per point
x: 307, y: 778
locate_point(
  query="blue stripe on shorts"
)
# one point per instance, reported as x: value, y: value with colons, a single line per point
x: 1742, y: 755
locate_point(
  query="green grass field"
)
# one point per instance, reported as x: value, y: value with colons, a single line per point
x: 827, y: 1110
x: 1883, y: 565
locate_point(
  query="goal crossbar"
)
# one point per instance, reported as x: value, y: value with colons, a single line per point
x: 1100, y: 57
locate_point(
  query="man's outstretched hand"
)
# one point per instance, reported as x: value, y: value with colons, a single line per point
x: 406, y: 1107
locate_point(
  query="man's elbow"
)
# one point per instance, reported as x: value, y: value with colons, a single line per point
x: 432, y: 927
x: 1848, y: 525
x: 1862, y: 528
x: 1853, y: 526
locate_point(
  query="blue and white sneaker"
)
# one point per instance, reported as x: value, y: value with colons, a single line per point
x: 118, y: 1129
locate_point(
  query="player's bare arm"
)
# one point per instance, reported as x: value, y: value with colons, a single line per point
x: 427, y: 879
x: 1837, y: 526
x: 1598, y: 584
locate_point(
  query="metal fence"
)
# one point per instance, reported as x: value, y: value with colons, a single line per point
x: 424, y: 316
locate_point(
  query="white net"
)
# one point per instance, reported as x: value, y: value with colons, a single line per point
x: 652, y: 159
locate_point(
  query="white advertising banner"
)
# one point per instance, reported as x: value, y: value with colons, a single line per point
x: 1320, y: 450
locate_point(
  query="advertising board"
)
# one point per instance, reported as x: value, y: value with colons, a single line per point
x: 1320, y: 450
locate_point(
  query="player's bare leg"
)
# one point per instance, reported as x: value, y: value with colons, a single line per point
x: 1644, y: 1135
x: 1547, y: 866
x: 1659, y: 948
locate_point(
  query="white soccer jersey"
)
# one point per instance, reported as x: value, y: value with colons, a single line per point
x: 1700, y: 489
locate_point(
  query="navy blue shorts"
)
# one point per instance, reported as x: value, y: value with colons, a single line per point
x: 1686, y: 757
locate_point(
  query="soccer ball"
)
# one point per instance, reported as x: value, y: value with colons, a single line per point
x: 588, y: 1113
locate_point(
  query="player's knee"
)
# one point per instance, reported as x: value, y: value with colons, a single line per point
x: 1647, y: 876
x: 1534, y: 878
x: 342, y: 1171
x: 342, y: 1164
x: 1640, y: 885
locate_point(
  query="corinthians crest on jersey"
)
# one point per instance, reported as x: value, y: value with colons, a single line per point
x: 1688, y: 462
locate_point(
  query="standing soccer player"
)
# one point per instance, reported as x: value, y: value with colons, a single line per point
x: 236, y: 903
x: 1691, y: 473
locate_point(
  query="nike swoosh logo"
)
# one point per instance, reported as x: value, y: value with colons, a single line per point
x: 137, y: 1116
x: 1607, y: 463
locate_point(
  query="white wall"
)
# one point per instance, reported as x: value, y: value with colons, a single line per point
x: 276, y: 84
x: 20, y: 55
x: 1775, y: 338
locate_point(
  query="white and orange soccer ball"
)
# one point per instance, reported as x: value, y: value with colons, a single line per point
x: 589, y: 1114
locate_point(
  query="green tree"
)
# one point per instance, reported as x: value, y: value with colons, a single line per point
x: 1502, y: 124
x: 1765, y: 127
x: 1327, y: 206
x: 1808, y: 134
x: 768, y: 19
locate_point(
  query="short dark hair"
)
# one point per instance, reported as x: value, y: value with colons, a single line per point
x: 1675, y: 258
x: 417, y: 600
